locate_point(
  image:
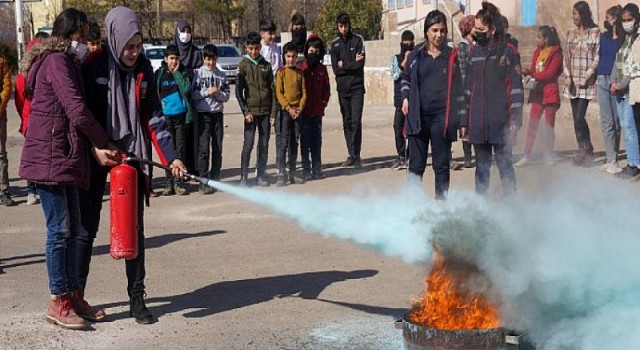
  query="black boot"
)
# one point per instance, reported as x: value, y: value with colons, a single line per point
x: 139, y: 311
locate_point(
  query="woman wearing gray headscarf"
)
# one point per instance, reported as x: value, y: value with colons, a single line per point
x: 190, y: 55
x: 119, y: 86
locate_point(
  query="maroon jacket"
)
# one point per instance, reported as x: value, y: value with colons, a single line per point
x: 318, y: 91
x: 546, y: 90
x: 61, y: 129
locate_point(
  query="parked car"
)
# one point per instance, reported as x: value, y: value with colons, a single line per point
x: 229, y: 58
x: 155, y: 54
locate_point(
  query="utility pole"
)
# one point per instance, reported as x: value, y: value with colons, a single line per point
x: 19, y: 28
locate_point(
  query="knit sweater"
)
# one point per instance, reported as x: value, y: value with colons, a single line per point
x: 290, y: 88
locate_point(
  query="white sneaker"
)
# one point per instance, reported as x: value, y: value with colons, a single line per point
x: 613, y: 168
x: 31, y: 199
x: 522, y: 162
x: 604, y: 167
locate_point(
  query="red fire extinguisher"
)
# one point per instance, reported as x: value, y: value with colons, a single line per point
x: 124, y: 211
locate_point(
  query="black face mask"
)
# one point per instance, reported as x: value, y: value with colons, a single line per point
x: 406, y: 47
x: 608, y: 26
x: 299, y: 38
x: 482, y: 38
x: 313, y: 59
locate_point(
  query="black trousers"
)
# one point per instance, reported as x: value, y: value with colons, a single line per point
x: 289, y: 143
x: 398, y: 130
x: 311, y: 143
x: 90, y: 207
x: 262, y: 124
x: 351, y: 109
x: 179, y: 130
x: 211, y: 129
x: 432, y: 132
x: 636, y: 117
x: 504, y: 160
x: 580, y: 125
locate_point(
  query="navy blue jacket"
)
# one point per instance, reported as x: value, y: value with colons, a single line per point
x: 455, y: 115
x: 494, y: 92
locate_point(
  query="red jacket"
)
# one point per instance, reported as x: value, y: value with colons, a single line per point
x: 546, y: 90
x: 23, y: 106
x: 317, y: 86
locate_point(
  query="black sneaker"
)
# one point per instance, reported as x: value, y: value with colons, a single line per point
x: 306, y: 175
x: 294, y: 178
x: 280, y: 182
x: 168, y: 189
x: 139, y: 311
x: 349, y: 162
x: 317, y: 175
x: 357, y: 163
x: 204, y: 189
x: 628, y: 172
x: 397, y: 164
x: 6, y: 200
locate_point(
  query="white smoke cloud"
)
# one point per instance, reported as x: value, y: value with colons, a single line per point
x: 564, y: 262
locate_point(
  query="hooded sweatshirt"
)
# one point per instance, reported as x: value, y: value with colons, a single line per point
x: 205, y: 78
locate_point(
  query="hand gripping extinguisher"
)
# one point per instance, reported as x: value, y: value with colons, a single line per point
x: 124, y: 211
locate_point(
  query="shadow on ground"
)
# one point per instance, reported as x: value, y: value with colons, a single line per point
x: 229, y: 295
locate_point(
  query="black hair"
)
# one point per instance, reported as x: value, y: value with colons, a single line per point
x: 267, y: 26
x: 633, y: 10
x: 616, y: 12
x: 68, y: 22
x: 297, y: 20
x: 343, y: 18
x: 253, y: 38
x: 505, y: 22
x: 289, y: 47
x: 316, y: 43
x: 42, y: 35
x: 551, y: 34
x: 434, y: 17
x: 407, y: 35
x: 210, y: 51
x: 172, y: 50
x: 94, y: 32
x: 584, y: 11
x: 490, y: 15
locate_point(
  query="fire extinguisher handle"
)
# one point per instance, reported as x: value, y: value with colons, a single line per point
x: 156, y: 164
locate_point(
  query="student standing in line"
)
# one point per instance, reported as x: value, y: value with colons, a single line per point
x: 316, y: 79
x: 610, y: 42
x: 546, y: 68
x: 581, y: 62
x: 347, y: 60
x: 398, y: 63
x: 254, y: 91
x: 210, y: 92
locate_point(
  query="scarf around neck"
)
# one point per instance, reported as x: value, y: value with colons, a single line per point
x: 123, y: 117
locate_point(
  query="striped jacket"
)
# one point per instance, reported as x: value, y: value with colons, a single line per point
x: 456, y: 112
x: 494, y: 92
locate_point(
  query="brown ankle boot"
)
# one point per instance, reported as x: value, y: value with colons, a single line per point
x: 84, y: 310
x: 61, y: 312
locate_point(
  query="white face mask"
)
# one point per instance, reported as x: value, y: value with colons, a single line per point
x: 628, y: 26
x: 184, y: 37
x: 79, y: 49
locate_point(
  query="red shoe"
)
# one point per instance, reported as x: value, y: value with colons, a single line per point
x: 85, y: 310
x: 61, y: 313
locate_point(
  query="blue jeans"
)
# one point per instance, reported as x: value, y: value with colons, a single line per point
x: 61, y: 206
x: 629, y: 131
x: 609, y: 120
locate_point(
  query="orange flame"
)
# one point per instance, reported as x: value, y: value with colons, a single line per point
x: 449, y: 304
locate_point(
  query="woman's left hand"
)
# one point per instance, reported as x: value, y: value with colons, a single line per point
x: 178, y: 169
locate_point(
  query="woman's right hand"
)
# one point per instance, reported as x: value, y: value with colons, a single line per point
x: 568, y: 81
x: 405, y: 107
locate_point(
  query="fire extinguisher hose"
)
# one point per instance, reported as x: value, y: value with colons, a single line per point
x: 156, y: 164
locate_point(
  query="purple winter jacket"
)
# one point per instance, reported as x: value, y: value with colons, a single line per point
x: 61, y: 129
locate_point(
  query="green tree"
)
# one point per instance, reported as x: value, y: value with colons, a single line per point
x: 366, y: 18
x: 217, y: 16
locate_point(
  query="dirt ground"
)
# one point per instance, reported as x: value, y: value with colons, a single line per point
x: 225, y: 274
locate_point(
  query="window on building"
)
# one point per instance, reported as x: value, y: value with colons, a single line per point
x: 400, y: 4
x: 408, y: 3
x: 391, y: 4
x: 426, y: 2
